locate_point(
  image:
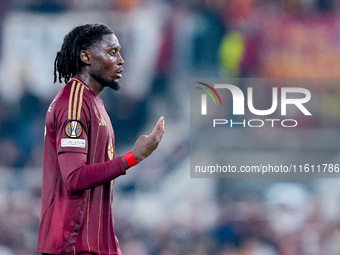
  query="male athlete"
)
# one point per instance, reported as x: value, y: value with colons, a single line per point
x: 79, y: 154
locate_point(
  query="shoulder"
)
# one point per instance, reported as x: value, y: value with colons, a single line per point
x: 72, y: 103
x: 74, y: 98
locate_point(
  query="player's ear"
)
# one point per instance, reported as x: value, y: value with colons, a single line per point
x: 86, y: 57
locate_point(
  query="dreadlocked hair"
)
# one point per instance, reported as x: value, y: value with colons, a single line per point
x: 67, y: 62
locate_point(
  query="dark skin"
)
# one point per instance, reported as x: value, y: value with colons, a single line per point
x: 102, y: 68
x: 103, y: 64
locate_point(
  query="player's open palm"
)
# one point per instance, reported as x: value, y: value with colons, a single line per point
x: 146, y: 144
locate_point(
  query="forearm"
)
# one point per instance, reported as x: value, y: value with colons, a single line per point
x: 78, y: 175
x: 77, y: 178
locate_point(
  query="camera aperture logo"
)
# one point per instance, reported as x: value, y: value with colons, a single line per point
x: 294, y: 96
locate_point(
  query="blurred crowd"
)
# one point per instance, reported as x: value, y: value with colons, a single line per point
x: 159, y: 209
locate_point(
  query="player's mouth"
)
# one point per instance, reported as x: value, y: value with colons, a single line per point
x: 119, y: 72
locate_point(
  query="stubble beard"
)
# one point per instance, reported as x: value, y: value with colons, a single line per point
x: 114, y: 84
x: 110, y: 83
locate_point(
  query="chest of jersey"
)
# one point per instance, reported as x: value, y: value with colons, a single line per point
x: 101, y: 135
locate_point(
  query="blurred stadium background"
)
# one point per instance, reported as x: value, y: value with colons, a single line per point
x: 159, y: 210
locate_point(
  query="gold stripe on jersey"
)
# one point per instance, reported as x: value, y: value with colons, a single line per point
x: 75, y: 103
x: 75, y: 100
x: 100, y: 217
x: 70, y: 100
x: 80, y: 102
x: 81, y: 82
x: 87, y: 221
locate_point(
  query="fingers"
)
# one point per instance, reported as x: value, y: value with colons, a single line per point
x: 159, y: 128
x: 145, y: 145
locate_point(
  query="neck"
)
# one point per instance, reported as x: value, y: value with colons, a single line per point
x: 91, y: 82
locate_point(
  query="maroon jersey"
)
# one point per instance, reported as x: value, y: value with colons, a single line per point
x: 78, y: 172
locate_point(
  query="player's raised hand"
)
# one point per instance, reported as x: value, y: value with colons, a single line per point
x: 146, y: 144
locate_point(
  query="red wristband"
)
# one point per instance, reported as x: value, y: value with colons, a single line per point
x: 130, y: 159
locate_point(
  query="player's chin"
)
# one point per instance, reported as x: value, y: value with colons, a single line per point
x: 114, y: 84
